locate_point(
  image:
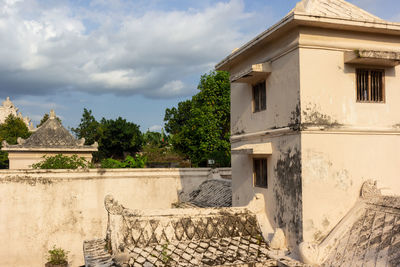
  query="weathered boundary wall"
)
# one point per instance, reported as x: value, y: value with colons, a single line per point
x: 42, y: 208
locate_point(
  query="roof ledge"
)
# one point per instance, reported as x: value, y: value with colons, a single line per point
x: 253, y: 73
x: 261, y: 149
x: 372, y: 58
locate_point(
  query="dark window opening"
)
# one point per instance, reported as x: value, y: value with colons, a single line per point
x: 260, y: 173
x: 259, y: 97
x: 370, y: 85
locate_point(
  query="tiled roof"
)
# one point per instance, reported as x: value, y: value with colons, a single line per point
x: 182, y: 237
x: 374, y: 238
x: 211, y: 193
x: 51, y: 134
x: 333, y: 9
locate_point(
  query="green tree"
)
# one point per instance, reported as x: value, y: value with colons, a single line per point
x: 152, y: 138
x: 118, y: 138
x: 10, y: 130
x: 88, y: 128
x: 45, y: 118
x: 200, y: 127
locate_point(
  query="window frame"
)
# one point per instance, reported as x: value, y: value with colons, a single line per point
x: 262, y: 170
x: 262, y: 105
x: 369, y: 70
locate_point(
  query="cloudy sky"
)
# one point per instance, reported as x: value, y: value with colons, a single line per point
x: 132, y: 58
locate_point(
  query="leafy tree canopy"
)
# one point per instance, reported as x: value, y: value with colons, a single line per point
x: 10, y: 130
x: 200, y: 127
x: 116, y: 138
x: 119, y: 137
x: 88, y: 128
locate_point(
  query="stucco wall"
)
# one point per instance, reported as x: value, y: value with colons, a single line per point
x: 334, y: 166
x: 283, y: 195
x: 283, y: 201
x: 282, y: 87
x: 39, y: 209
x: 361, y: 141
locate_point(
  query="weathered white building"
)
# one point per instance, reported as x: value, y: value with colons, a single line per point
x: 315, y: 112
x: 7, y: 108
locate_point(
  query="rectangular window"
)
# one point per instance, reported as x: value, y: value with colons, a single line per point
x: 370, y: 85
x: 259, y: 97
x: 260, y: 176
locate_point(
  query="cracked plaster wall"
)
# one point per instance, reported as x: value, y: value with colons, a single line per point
x: 283, y: 201
x: 39, y: 209
x: 334, y: 166
x: 282, y: 90
x: 283, y: 195
x: 328, y: 86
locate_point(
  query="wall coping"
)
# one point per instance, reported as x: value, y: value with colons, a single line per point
x: 114, y: 173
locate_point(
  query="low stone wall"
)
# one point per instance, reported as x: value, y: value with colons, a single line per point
x: 42, y: 208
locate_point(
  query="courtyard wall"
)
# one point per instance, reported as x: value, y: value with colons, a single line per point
x: 42, y: 208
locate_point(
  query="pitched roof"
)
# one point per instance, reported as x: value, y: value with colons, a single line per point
x: 182, y: 237
x: 211, y: 193
x: 51, y: 135
x: 334, y: 9
x: 373, y: 239
x: 318, y: 13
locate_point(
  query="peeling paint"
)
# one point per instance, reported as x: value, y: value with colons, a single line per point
x: 287, y: 191
x: 294, y: 123
x: 312, y: 117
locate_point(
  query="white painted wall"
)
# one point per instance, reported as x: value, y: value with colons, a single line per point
x: 366, y: 145
x: 42, y: 208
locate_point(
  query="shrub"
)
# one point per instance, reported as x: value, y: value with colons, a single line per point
x: 130, y: 162
x: 57, y: 256
x: 62, y: 162
x: 110, y: 163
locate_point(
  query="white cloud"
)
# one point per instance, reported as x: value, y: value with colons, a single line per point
x: 45, y: 48
x: 155, y: 128
x: 43, y: 105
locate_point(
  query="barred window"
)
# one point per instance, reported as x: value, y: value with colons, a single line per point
x: 370, y: 85
x: 259, y: 97
x: 260, y: 176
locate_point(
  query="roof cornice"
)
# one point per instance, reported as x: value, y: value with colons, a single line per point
x: 294, y: 19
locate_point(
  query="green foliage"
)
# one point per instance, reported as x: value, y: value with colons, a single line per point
x: 119, y: 137
x: 159, y: 154
x: 57, y: 256
x: 165, y: 257
x: 152, y: 138
x: 130, y: 162
x: 88, y: 128
x: 62, y: 162
x: 4, y: 163
x: 116, y: 138
x: 200, y: 127
x: 10, y: 130
x: 45, y: 118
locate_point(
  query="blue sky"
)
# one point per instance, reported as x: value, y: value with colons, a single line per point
x: 132, y: 58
